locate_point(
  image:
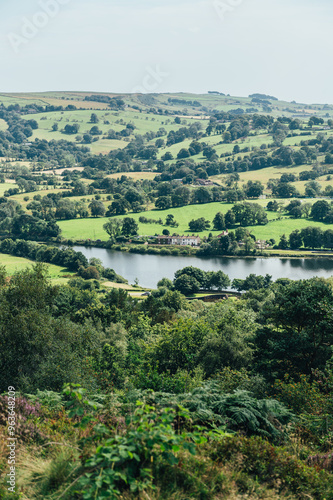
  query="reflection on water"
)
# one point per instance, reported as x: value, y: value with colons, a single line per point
x: 149, y: 269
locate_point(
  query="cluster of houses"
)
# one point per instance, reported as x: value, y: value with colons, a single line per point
x: 195, y: 241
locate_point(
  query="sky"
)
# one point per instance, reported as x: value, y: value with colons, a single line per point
x: 239, y: 47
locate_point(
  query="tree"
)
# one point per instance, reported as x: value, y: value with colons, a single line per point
x: 165, y: 282
x: 194, y: 272
x: 219, y: 222
x: 283, y: 244
x: 284, y: 190
x: 273, y: 206
x: 94, y: 118
x: 183, y: 153
x: 198, y: 225
x: 202, y: 195
x: 295, y: 240
x: 130, y: 227
x: 301, y: 337
x: 230, y: 219
x: 55, y: 127
x: 252, y: 282
x: 87, y: 138
x: 163, y: 202
x: 97, y: 208
x: 312, y: 237
x: 186, y: 284
x: 320, y: 209
x: 312, y: 189
x: 118, y: 207
x: 170, y: 220
x: 89, y: 273
x: 249, y: 214
x: 254, y: 189
x: 95, y: 130
x: 31, y: 335
x: 328, y: 239
x: 72, y: 129
x: 113, y: 228
x: 218, y: 280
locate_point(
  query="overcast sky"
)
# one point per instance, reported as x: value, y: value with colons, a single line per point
x: 278, y: 47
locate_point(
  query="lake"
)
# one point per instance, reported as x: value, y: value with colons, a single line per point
x: 149, y: 269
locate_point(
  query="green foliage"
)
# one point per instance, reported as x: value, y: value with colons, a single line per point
x: 126, y: 462
x: 297, y: 332
x: 273, y: 466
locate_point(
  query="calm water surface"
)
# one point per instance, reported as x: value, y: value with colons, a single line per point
x: 149, y: 269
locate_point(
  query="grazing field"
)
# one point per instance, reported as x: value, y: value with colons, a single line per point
x: 6, y: 185
x: 263, y: 175
x: 42, y: 192
x: 108, y: 119
x: 3, y: 125
x: 93, y: 228
x: 134, y: 175
x: 14, y: 264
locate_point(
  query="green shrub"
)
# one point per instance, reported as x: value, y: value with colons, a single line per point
x: 274, y: 466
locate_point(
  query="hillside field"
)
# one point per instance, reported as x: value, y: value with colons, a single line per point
x: 13, y: 264
x: 92, y: 228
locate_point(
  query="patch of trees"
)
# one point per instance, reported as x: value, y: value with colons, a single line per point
x: 184, y: 102
x: 191, y: 279
x: 176, y: 136
x: 198, y: 225
x: 118, y: 229
x: 263, y: 96
x: 113, y: 102
x: 249, y: 214
x: 309, y: 237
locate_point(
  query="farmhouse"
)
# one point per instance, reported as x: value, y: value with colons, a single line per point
x: 262, y: 244
x: 205, y: 182
x: 193, y: 241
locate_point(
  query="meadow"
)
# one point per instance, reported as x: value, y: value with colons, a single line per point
x: 4, y: 186
x: 13, y: 264
x: 92, y: 228
x: 108, y: 119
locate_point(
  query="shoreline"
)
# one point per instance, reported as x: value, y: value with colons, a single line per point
x: 193, y: 252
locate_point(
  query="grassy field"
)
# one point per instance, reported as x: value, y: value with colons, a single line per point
x: 4, y: 186
x: 3, y: 125
x: 207, y: 101
x: 93, y: 228
x: 134, y: 175
x: 14, y: 264
x: 108, y: 119
x: 266, y: 174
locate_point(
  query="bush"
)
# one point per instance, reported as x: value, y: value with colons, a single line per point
x: 274, y: 466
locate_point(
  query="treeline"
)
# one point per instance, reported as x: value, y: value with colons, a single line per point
x: 308, y: 237
x: 64, y: 257
x: 113, y: 102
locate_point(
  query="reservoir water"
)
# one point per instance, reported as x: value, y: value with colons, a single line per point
x: 149, y: 269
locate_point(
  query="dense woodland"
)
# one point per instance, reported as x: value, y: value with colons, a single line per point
x: 175, y: 398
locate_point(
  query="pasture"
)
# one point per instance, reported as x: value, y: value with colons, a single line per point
x: 13, y: 264
x: 92, y: 228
